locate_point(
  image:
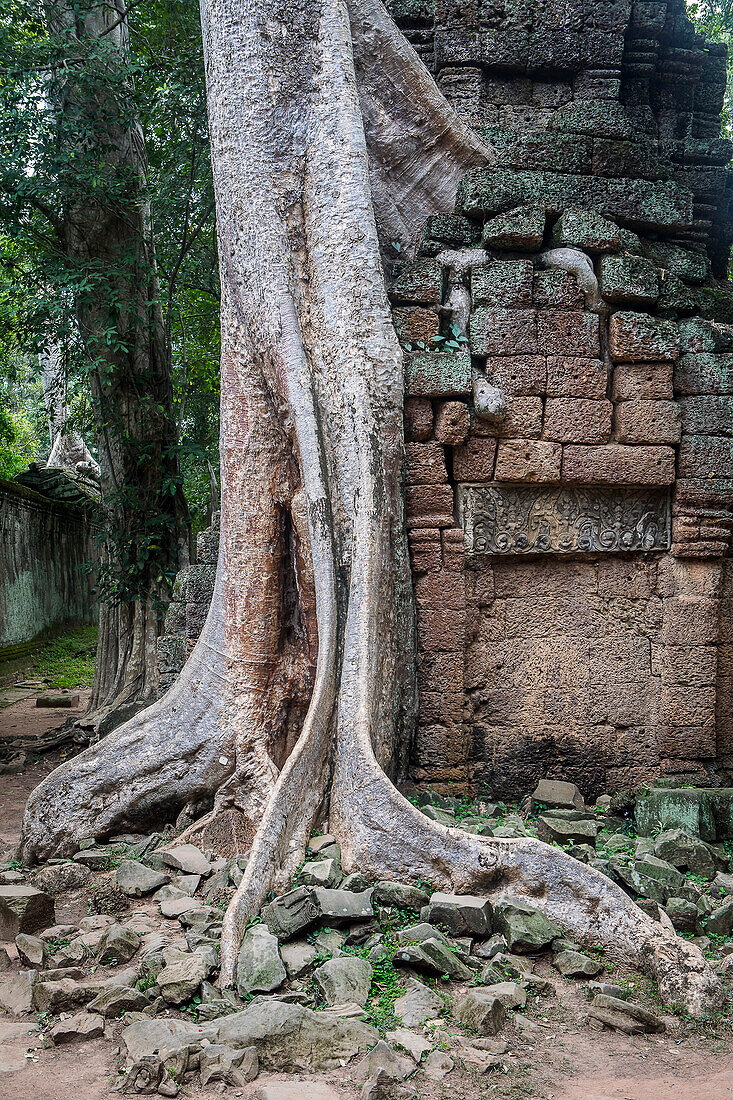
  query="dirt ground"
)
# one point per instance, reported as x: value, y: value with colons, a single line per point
x: 555, y: 1056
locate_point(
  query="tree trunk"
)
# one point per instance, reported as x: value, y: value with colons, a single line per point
x: 312, y: 612
x: 107, y: 243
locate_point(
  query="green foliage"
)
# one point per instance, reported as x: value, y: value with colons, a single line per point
x: 714, y: 19
x: 67, y: 661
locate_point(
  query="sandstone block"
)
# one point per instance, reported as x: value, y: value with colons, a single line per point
x: 556, y: 289
x: 629, y: 279
x: 706, y: 456
x: 474, y: 459
x: 441, y: 708
x: 461, y: 914
x: 576, y: 420
x: 574, y: 376
x: 690, y: 620
x: 437, y: 373
x: 503, y: 332
x: 615, y: 463
x: 707, y: 415
x: 523, y: 418
x: 425, y: 550
x: 687, y: 742
x: 481, y: 1011
x: 418, y: 418
x: 705, y: 373
x: 452, y: 422
x: 454, y: 549
x: 520, y: 375
x: 522, y: 229
x: 639, y: 338
x: 502, y: 283
x: 648, y: 422
x: 686, y: 706
x: 440, y: 631
x: 642, y: 381
x: 415, y: 324
x: 566, y: 332
x: 24, y: 909
x: 587, y: 230
x: 693, y: 665
x: 419, y: 281
x: 528, y: 460
x: 442, y: 746
x: 425, y: 464
x: 429, y: 506
x: 441, y: 590
x: 442, y: 672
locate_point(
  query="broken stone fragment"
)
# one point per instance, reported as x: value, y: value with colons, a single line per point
x: 683, y: 914
x: 383, y: 1058
x: 61, y: 996
x: 181, y: 976
x: 136, y: 880
x: 559, y: 828
x: 233, y: 1067
x: 415, y: 1045
x: 461, y: 914
x: 31, y: 950
x: 298, y: 957
x: 510, y: 994
x: 480, y: 1011
x: 556, y: 794
x: 61, y: 877
x: 399, y: 895
x: 524, y: 928
x: 623, y: 1016
x: 343, y: 980
x: 416, y: 933
x: 572, y: 964
x: 186, y: 858
x: 434, y: 957
x: 78, y: 1028
x: 417, y: 1004
x: 174, y: 907
x: 259, y: 966
x: 24, y: 909
x: 16, y: 993
x: 117, y: 945
x: 720, y: 921
x: 294, y: 1039
x: 321, y: 872
x: 114, y: 1000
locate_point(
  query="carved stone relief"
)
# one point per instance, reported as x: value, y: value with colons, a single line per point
x: 501, y: 519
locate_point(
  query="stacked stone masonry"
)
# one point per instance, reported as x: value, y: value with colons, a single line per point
x: 570, y: 555
x: 568, y: 338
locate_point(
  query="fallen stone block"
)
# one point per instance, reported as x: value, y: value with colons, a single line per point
x: 24, y: 909
x: 259, y: 965
x: 78, y: 1028
x: 480, y: 1011
x: 461, y: 914
x: 525, y: 929
x: 624, y: 1016
x: 136, y: 880
x: 342, y: 980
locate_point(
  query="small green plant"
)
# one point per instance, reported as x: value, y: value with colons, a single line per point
x: 67, y: 661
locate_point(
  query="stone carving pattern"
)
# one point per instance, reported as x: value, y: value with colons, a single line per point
x: 498, y: 519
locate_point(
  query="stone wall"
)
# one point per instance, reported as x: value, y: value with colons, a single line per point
x: 570, y: 535
x: 45, y: 544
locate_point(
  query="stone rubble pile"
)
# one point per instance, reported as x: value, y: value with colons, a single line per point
x: 313, y: 967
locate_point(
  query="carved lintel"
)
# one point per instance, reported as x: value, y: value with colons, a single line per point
x: 539, y: 519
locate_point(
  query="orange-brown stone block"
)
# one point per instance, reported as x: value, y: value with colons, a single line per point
x: 576, y: 376
x: 642, y: 381
x: 648, y: 422
x: 474, y: 459
x: 568, y: 332
x: 576, y: 420
x: 617, y: 464
x: 425, y: 463
x: 528, y: 460
x: 452, y: 422
x: 418, y: 418
x: 429, y: 506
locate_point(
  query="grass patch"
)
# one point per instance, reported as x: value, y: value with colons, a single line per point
x: 66, y: 661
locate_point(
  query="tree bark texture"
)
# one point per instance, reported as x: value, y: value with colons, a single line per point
x: 107, y: 242
x: 299, y: 697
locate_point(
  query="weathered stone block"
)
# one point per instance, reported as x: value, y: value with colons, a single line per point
x: 686, y: 706
x: 454, y: 551
x: 425, y: 550
x: 442, y: 707
x: 707, y: 415
x: 690, y: 620
x: 629, y: 279
x: 639, y: 338
x: 440, y: 630
x: 575, y: 420
x: 690, y: 665
x: 414, y: 323
x: 418, y: 281
x: 502, y: 283
x: 452, y: 423
x: 568, y: 332
x: 502, y: 332
x: 522, y: 229
x: 521, y: 375
x: 523, y: 418
x: 441, y: 590
x: 24, y: 909
x: 425, y: 464
x: 528, y: 460
x: 642, y: 381
x: 587, y: 230
x: 705, y: 373
x: 474, y: 459
x: 614, y: 463
x: 451, y: 228
x: 418, y: 419
x: 437, y: 373
x: 443, y: 671
x: 687, y: 742
x: 706, y: 456
x: 648, y: 422
x: 574, y: 376
x: 429, y: 506
x: 556, y: 289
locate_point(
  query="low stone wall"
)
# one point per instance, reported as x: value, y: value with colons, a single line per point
x: 44, y: 546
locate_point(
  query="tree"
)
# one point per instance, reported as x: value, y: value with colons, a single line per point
x: 105, y: 188
x: 298, y: 699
